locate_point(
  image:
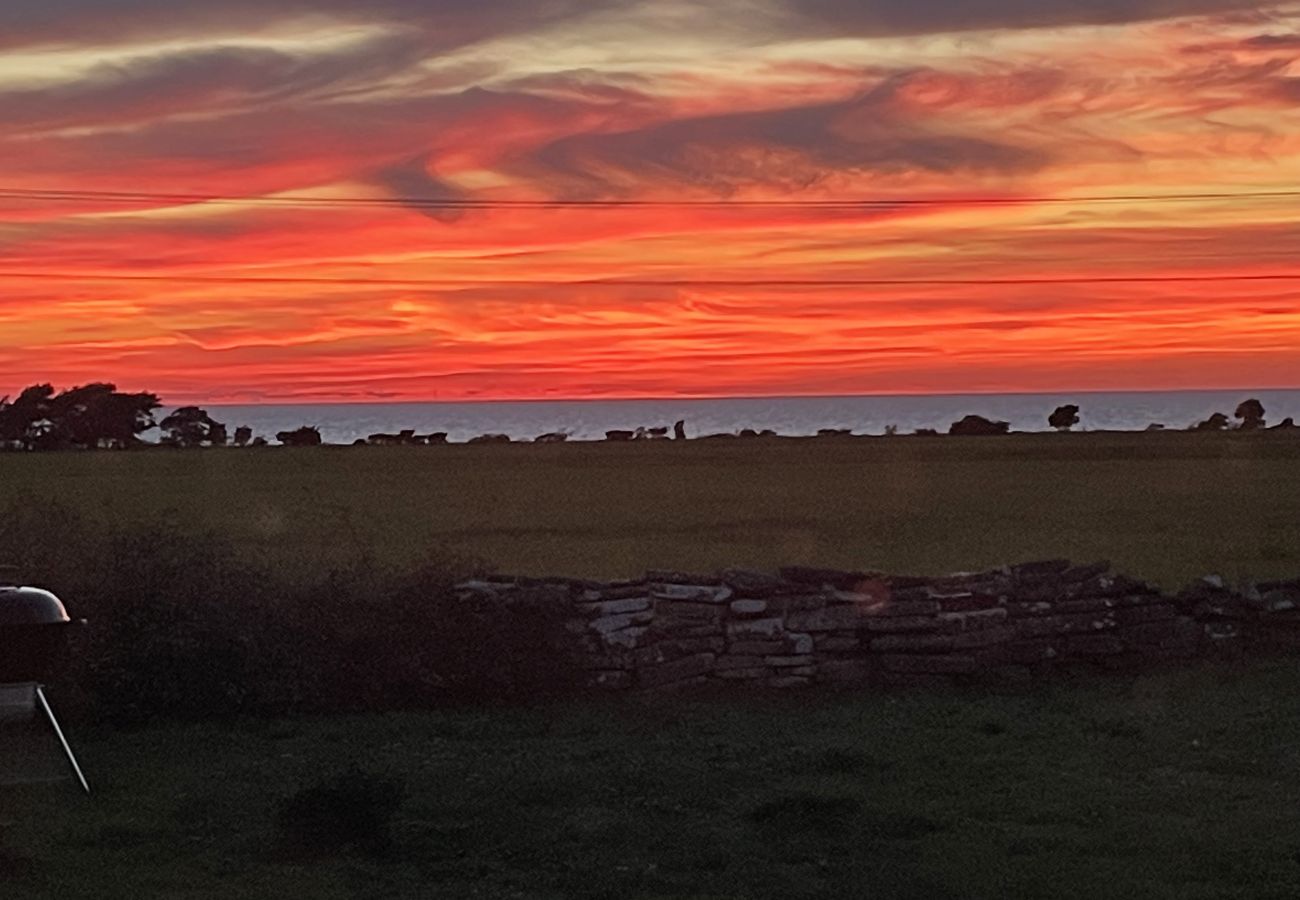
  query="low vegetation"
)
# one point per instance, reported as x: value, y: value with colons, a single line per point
x: 1178, y: 785
x: 1166, y: 506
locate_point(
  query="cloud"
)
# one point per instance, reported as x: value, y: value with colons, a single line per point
x: 447, y: 23
x: 205, y: 81
x: 882, y: 18
x: 786, y: 149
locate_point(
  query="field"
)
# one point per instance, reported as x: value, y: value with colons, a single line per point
x: 1165, y: 506
x: 1180, y: 785
x: 1177, y: 784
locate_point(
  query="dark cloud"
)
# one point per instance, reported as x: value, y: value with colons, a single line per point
x: 448, y: 23
x: 205, y: 81
x: 914, y: 17
x: 789, y: 148
x: 1273, y: 42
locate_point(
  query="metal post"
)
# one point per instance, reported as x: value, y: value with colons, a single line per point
x: 67, y: 750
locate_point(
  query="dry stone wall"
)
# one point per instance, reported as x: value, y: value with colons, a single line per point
x: 804, y: 626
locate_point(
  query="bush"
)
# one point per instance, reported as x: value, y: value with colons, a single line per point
x: 351, y: 811
x: 182, y: 626
x: 978, y: 425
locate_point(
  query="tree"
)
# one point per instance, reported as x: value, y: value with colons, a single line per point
x: 306, y: 436
x: 978, y: 425
x: 88, y: 416
x: 1216, y: 422
x: 1063, y: 418
x: 1251, y: 414
x: 18, y: 420
x: 191, y: 426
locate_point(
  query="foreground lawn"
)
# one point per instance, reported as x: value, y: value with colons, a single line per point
x: 1168, y: 507
x: 1178, y: 785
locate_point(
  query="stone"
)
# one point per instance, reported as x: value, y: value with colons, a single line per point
x: 676, y: 670
x: 1153, y: 612
x: 1086, y: 605
x: 782, y: 662
x: 892, y: 624
x: 1041, y: 569
x: 1087, y: 572
x: 948, y: 664
x: 756, y: 628
x: 692, y: 593
x: 756, y: 648
x: 749, y: 584
x: 669, y: 576
x: 844, y: 671
x: 789, y: 603
x: 915, y: 681
x: 748, y: 609
x: 743, y: 674
x: 688, y: 646
x: 1093, y: 644
x: 831, y: 618
x: 627, y: 638
x: 1052, y: 625
x: 616, y: 607
x: 608, y: 624
x: 682, y: 610
x: 988, y: 637
x: 665, y: 628
x: 734, y: 661
x: 970, y: 602
x: 799, y: 643
x: 899, y: 608
x: 835, y: 643
x: 789, y: 681
x: 975, y: 620
x: 876, y: 590
x: 622, y: 591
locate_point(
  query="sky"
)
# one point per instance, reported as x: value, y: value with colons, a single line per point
x: 320, y: 200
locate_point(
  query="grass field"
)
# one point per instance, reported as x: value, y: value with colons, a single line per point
x: 1181, y: 785
x: 1165, y: 506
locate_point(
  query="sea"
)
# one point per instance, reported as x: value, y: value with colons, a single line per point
x: 343, y: 423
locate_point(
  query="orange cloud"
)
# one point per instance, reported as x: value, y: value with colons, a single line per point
x: 659, y: 226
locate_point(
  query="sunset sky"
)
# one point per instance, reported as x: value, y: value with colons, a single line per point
x: 440, y: 199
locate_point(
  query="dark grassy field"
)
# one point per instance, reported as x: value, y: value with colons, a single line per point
x: 1181, y: 785
x: 1165, y: 506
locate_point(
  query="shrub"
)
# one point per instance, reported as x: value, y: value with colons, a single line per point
x: 350, y: 811
x: 182, y: 626
x: 978, y: 425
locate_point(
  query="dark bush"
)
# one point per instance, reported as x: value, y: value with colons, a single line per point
x: 351, y: 811
x: 183, y: 626
x: 978, y: 425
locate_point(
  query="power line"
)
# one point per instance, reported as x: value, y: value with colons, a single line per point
x: 465, y: 203
x: 644, y: 282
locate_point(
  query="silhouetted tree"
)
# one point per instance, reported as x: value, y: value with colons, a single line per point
x: 1216, y: 422
x: 306, y: 436
x: 978, y: 425
x: 1063, y: 418
x: 19, y: 419
x: 89, y: 416
x: 243, y: 434
x: 191, y: 426
x: 1251, y: 414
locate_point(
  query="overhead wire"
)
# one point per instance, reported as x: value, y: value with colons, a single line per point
x: 33, y: 195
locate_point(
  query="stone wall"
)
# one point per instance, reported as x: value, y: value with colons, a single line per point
x: 806, y: 626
